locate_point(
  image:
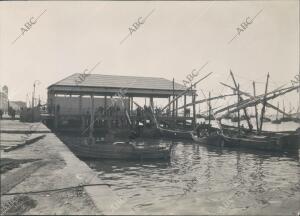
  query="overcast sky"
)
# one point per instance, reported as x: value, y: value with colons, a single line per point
x: 176, y: 38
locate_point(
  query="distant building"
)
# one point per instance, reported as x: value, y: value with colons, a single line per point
x: 17, y: 105
x: 4, y: 98
x: 4, y: 101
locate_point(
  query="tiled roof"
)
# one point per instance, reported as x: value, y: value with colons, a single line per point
x: 115, y: 81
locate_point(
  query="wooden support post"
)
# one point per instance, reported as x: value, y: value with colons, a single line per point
x: 151, y: 102
x: 80, y: 113
x: 124, y: 99
x: 105, y: 105
x: 176, y: 112
x: 55, y: 113
x: 92, y: 116
x: 194, y: 109
x: 256, y: 113
x: 131, y: 105
x: 169, y: 106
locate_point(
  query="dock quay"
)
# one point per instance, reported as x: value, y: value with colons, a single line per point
x: 45, y: 177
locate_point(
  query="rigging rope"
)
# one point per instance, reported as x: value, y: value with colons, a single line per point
x: 56, y: 189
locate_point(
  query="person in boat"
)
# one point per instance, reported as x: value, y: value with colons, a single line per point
x: 198, y: 129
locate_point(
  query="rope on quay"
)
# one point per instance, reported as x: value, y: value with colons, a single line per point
x: 51, y: 190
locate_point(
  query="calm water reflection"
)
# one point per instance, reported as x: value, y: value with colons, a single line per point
x: 202, y: 180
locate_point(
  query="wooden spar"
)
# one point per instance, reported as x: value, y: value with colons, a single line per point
x: 218, y: 122
x: 298, y: 110
x: 204, y: 100
x: 283, y: 107
x: 194, y: 109
x: 188, y: 89
x: 206, y: 111
x: 250, y: 96
x: 184, y: 113
x: 256, y: 113
x: 255, y: 101
x: 267, y: 104
x: 264, y: 105
x: 241, y: 99
x: 238, y: 102
x: 277, y: 111
x: 136, y: 104
x: 209, y: 109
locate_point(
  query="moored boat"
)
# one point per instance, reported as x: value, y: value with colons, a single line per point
x: 212, y: 139
x: 175, y: 133
x: 120, y: 151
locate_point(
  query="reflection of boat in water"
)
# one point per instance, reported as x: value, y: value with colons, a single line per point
x: 120, y: 150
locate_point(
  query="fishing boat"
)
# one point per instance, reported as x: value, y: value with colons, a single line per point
x: 120, y: 150
x: 276, y: 121
x: 267, y: 141
x: 212, y: 139
x: 273, y: 142
x: 240, y: 137
x: 174, y: 133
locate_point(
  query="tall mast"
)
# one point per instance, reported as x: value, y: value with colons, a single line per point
x: 264, y: 105
x: 209, y: 109
x: 238, y: 103
x: 256, y: 113
x: 241, y: 99
x: 277, y: 110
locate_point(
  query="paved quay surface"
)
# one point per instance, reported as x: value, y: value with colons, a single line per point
x: 45, y: 165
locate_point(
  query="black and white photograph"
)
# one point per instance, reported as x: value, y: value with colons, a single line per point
x: 150, y: 107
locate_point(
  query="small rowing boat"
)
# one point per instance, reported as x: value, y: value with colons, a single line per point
x: 120, y: 150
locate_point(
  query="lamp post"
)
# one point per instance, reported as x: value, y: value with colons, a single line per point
x: 36, y: 82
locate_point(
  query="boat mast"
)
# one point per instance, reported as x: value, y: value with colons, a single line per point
x: 209, y: 109
x: 277, y: 110
x: 256, y: 113
x: 238, y: 99
x: 298, y: 110
x: 186, y: 91
x: 264, y: 104
x: 241, y: 99
x: 283, y: 108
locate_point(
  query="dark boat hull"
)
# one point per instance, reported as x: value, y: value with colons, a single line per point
x: 280, y: 143
x: 175, y: 134
x: 108, y: 151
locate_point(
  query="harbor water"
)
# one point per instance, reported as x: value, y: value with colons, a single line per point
x: 201, y: 179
